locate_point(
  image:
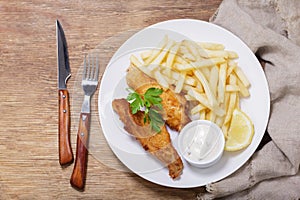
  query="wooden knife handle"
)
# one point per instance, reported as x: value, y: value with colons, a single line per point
x: 79, y: 172
x: 65, y: 150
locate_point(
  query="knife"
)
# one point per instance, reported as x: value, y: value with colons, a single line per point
x: 64, y: 73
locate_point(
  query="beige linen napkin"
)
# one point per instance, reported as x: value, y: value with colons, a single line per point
x: 271, y: 28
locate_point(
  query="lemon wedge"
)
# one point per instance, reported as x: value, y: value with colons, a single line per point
x: 240, y: 132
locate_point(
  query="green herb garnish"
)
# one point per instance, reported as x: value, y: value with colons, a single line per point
x: 156, y: 120
x: 150, y: 103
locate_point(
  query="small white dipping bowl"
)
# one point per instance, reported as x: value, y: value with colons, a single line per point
x: 201, y: 143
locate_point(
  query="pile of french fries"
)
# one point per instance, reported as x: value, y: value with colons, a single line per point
x: 205, y: 73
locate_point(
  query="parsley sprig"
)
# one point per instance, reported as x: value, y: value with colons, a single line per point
x: 150, y: 103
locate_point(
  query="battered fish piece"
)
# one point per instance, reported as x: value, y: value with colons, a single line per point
x: 158, y: 144
x: 175, y: 106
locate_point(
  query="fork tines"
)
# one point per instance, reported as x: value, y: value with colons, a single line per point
x: 91, y: 67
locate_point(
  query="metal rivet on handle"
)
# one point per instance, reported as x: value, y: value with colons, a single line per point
x: 82, y: 134
x: 64, y: 111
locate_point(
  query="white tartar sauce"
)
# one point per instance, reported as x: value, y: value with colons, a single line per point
x: 200, y: 142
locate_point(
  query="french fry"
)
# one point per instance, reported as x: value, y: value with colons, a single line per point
x: 232, y: 55
x: 208, y: 62
x: 208, y: 115
x: 242, y: 76
x: 211, y: 98
x: 231, y: 106
x: 186, y: 53
x: 189, y: 97
x: 226, y: 102
x: 189, y: 87
x: 213, y: 80
x: 202, y: 53
x: 232, y: 79
x: 171, y: 57
x: 183, y: 67
x: 219, y: 121
x: 146, y: 54
x: 206, y: 72
x: 232, y: 88
x: 202, y: 115
x: 203, y: 100
x: 232, y: 100
x: 195, y: 116
x: 199, y: 87
x: 155, y: 52
x: 237, y: 103
x: 197, y: 109
x: 167, y: 72
x: 192, y: 47
x: 158, y: 60
x: 161, y: 79
x: 199, y: 64
x: 179, y: 59
x: 180, y: 82
x: 135, y: 62
x: 189, y: 80
x: 211, y: 46
x: 169, y: 80
x: 171, y: 73
x: 216, y: 54
x: 222, y: 82
x: 225, y: 130
x: 199, y: 97
x: 231, y: 67
x: 218, y: 111
x: 243, y: 90
x: 211, y: 116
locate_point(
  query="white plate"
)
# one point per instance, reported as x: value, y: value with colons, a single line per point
x: 113, y: 85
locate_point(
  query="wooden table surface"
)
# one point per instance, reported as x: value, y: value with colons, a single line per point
x: 29, y: 167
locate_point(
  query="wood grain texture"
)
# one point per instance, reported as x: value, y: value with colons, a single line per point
x: 64, y: 144
x: 78, y: 176
x: 29, y: 167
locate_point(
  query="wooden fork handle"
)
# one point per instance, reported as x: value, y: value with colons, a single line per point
x: 79, y: 172
x: 65, y: 150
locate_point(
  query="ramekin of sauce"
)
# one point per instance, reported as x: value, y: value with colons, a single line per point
x: 201, y: 143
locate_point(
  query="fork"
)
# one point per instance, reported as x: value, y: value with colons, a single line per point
x: 89, y: 84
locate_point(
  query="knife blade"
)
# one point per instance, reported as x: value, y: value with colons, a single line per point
x: 64, y: 73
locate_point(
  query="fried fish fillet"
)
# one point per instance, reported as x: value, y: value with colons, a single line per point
x: 174, y: 105
x: 158, y: 144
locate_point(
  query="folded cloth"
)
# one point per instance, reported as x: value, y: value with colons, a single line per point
x: 271, y: 28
